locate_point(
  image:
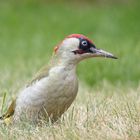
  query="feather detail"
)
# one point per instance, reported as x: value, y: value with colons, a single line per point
x: 41, y: 74
x: 44, y: 71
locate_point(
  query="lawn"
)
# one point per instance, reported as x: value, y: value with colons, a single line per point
x: 28, y: 33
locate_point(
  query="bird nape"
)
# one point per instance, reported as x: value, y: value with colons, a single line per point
x: 53, y: 89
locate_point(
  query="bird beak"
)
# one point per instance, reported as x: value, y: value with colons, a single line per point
x: 101, y: 53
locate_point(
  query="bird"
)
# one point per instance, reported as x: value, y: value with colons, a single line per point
x: 53, y: 89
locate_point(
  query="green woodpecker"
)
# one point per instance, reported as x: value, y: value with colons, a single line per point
x: 54, y: 88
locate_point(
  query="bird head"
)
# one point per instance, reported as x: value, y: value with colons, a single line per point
x: 77, y: 47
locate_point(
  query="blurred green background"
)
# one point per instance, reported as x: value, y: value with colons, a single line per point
x: 29, y: 30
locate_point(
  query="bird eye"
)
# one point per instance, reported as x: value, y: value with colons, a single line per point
x: 84, y: 43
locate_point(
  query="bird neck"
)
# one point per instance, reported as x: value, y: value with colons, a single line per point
x: 66, y: 63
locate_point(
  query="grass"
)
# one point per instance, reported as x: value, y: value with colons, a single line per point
x: 106, y: 114
x: 107, y: 106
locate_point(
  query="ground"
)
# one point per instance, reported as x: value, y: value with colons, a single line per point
x: 108, y: 113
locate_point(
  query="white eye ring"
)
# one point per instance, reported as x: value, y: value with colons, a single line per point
x: 84, y: 43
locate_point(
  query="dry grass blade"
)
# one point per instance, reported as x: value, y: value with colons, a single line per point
x: 3, y: 101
